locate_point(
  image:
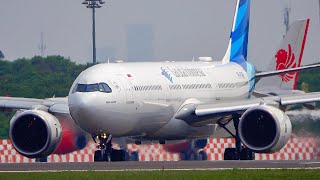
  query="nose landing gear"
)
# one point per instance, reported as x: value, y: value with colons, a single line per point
x: 106, y: 152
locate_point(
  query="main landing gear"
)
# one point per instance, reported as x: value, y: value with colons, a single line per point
x: 106, y: 152
x: 239, y: 152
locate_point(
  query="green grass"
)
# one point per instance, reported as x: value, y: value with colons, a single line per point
x: 215, y: 174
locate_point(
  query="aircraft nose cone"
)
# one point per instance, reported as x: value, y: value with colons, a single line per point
x: 92, y: 115
x: 80, y: 108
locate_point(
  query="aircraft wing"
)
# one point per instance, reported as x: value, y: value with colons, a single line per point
x: 53, y: 105
x: 196, y: 114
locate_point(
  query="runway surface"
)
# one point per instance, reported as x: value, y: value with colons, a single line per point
x: 179, y: 165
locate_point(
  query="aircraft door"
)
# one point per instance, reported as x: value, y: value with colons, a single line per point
x: 126, y: 87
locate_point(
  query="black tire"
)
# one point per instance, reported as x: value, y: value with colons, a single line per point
x: 203, y: 156
x: 247, y: 154
x: 134, y: 156
x: 230, y: 154
x: 118, y: 155
x: 97, y: 156
x: 106, y: 157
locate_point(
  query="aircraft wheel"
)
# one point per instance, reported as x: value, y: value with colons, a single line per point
x: 203, y: 156
x: 230, y: 154
x: 97, y: 156
x: 134, y: 156
x: 118, y: 155
x: 247, y: 154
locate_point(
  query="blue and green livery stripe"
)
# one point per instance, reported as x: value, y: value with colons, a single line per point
x: 239, y: 36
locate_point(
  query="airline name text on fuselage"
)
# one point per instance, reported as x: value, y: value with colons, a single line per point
x: 182, y: 72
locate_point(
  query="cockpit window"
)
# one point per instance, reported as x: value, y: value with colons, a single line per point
x: 101, y: 87
x: 81, y: 88
x: 92, y: 88
x: 105, y: 87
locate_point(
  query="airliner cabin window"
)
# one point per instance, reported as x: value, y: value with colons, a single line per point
x: 101, y: 87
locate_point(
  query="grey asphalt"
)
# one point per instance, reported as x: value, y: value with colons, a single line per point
x: 180, y: 165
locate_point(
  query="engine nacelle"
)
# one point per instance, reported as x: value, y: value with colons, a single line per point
x: 264, y: 129
x: 35, y: 133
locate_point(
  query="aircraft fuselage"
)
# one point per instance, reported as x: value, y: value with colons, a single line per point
x: 144, y: 97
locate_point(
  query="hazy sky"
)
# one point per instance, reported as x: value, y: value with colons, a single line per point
x: 183, y: 28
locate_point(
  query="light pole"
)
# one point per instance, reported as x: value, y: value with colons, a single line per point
x: 93, y: 4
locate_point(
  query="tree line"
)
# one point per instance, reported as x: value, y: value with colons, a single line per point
x: 37, y: 77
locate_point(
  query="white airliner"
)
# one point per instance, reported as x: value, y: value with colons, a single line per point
x: 166, y: 101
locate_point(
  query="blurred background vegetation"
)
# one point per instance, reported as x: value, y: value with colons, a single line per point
x: 38, y: 77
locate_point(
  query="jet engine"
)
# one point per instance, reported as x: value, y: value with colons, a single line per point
x: 35, y: 133
x: 264, y: 129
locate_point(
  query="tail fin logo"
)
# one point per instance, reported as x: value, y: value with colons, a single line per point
x: 286, y: 60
